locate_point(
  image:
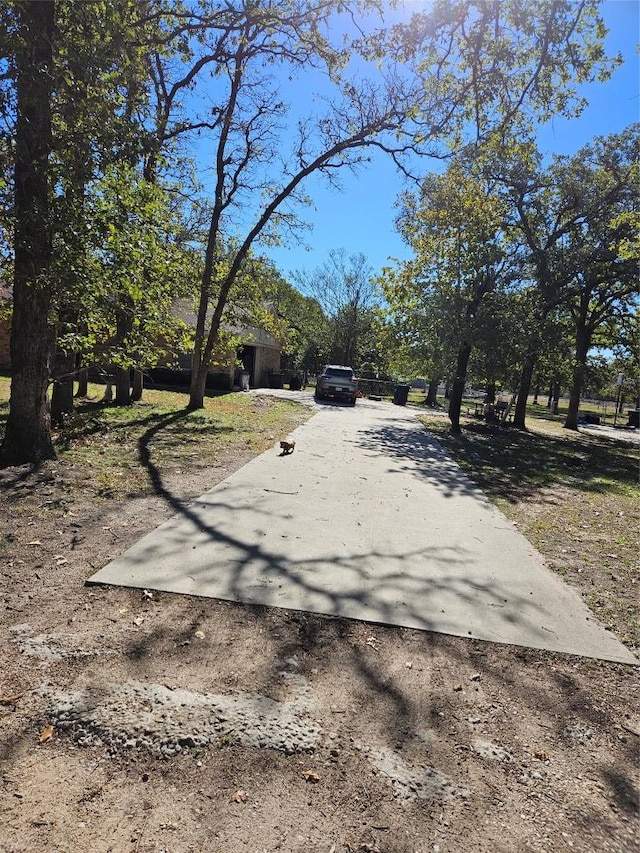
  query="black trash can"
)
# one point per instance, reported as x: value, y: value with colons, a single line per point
x: 401, y: 395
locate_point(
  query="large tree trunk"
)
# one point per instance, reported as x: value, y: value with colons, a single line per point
x: 583, y: 341
x: 123, y: 386
x: 138, y: 385
x: 28, y: 433
x: 62, y: 388
x: 124, y: 324
x: 455, y: 401
x: 432, y: 393
x: 63, y: 373
x: 83, y: 380
x: 526, y: 375
x: 198, y: 385
x: 200, y: 361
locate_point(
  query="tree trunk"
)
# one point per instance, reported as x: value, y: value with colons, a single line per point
x: 28, y: 433
x: 457, y: 390
x: 432, y: 393
x: 520, y: 411
x: 198, y: 385
x: 107, y: 397
x: 536, y: 394
x: 571, y: 421
x: 62, y: 373
x: 83, y: 382
x: 490, y: 393
x: 138, y: 385
x: 123, y: 386
x: 583, y: 341
x: 62, y: 388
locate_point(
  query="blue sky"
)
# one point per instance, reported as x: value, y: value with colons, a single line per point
x: 360, y: 218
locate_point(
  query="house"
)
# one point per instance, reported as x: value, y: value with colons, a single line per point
x: 259, y: 353
x: 260, y: 356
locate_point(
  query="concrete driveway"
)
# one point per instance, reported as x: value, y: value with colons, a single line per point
x: 368, y: 519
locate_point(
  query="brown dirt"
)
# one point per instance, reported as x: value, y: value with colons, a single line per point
x: 416, y: 742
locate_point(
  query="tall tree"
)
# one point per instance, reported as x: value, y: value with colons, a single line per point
x: 140, y: 266
x: 455, y: 229
x: 575, y: 222
x: 425, y: 344
x: 98, y: 96
x: 305, y: 332
x: 603, y: 178
x: 344, y: 288
x: 541, y: 219
x: 90, y: 46
x: 28, y: 433
x: 459, y: 69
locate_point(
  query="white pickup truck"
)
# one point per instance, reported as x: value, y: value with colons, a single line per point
x: 339, y: 382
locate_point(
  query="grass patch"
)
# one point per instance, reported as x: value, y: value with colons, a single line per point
x: 509, y: 464
x: 123, y: 451
x: 575, y: 496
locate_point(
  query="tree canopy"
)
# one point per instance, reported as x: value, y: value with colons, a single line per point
x: 517, y: 264
x: 146, y: 86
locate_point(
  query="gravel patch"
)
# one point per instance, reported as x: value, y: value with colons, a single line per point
x: 413, y: 783
x: 55, y: 647
x: 491, y: 751
x: 165, y: 721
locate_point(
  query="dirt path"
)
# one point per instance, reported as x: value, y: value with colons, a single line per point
x: 152, y: 722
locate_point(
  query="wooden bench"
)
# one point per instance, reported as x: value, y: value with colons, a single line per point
x: 476, y: 409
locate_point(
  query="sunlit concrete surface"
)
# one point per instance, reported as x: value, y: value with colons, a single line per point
x: 367, y: 519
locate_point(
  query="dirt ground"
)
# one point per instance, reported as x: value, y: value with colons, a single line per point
x: 138, y: 722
